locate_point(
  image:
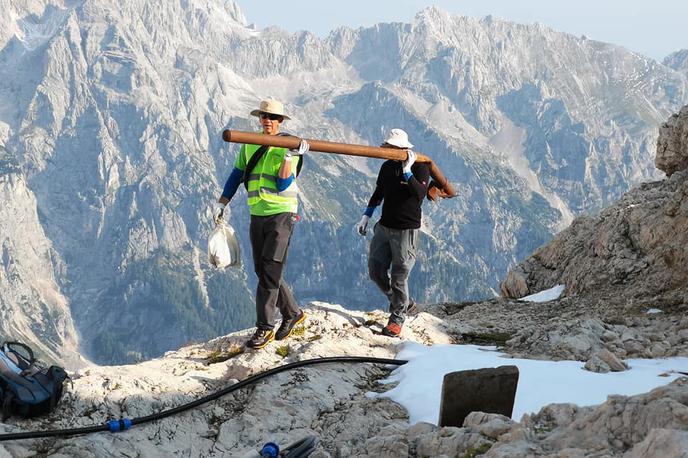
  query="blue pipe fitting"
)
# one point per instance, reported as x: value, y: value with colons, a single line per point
x: 119, y: 425
x: 270, y: 450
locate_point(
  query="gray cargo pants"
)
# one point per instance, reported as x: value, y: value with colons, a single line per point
x: 395, y: 249
x: 270, y: 237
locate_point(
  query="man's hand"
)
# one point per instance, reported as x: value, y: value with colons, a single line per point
x: 303, y: 149
x: 219, y: 212
x: 362, y: 226
x: 408, y: 163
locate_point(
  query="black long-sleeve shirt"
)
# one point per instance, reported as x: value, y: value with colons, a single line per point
x: 401, y: 199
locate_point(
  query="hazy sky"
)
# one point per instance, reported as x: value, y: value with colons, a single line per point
x: 655, y: 28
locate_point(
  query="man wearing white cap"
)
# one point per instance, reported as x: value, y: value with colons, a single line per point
x: 401, y: 188
x: 269, y: 176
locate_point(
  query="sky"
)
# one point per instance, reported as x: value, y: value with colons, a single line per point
x: 653, y: 28
x: 419, y: 382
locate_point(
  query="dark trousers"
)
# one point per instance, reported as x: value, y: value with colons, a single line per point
x: 270, y: 237
x: 392, y: 256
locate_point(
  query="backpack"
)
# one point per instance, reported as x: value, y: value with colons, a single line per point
x: 27, y: 389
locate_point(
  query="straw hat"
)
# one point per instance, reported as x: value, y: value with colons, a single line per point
x: 270, y: 106
x: 398, y: 138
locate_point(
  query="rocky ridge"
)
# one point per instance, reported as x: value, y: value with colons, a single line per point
x: 331, y: 401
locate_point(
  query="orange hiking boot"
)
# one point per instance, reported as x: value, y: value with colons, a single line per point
x: 391, y: 330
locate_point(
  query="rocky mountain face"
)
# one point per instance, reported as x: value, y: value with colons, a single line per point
x: 110, y: 121
x: 30, y: 292
x: 678, y: 61
x: 632, y: 253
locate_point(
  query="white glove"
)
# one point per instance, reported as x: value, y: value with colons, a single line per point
x: 219, y: 212
x: 362, y: 226
x: 408, y: 163
x: 303, y: 149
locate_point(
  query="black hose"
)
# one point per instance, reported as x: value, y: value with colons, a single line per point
x: 200, y: 401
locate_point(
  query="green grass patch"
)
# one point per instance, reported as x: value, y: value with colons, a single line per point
x: 299, y: 331
x: 481, y: 449
x: 283, y: 351
x: 485, y: 338
x: 219, y: 356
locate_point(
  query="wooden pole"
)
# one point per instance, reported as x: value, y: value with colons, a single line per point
x: 439, y: 187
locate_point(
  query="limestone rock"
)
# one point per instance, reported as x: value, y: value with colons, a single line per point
x: 661, y: 443
x: 603, y: 361
x: 614, y: 364
x: 672, y: 144
x: 489, y: 424
x: 634, y: 252
x: 596, y: 364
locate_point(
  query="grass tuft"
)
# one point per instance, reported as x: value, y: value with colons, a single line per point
x: 219, y: 356
x: 486, y: 338
x: 299, y: 331
x: 283, y: 351
x: 481, y: 449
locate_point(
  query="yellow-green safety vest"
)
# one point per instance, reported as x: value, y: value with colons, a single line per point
x: 263, y: 197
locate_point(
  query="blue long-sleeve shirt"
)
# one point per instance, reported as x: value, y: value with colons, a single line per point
x: 232, y: 183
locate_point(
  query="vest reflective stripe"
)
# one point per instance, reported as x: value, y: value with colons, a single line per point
x: 265, y: 176
x: 262, y: 182
x: 285, y: 193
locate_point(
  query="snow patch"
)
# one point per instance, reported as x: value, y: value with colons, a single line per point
x: 546, y: 295
x: 33, y: 34
x: 419, y: 382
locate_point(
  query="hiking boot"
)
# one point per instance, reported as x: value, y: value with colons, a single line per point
x: 412, y: 309
x: 391, y: 330
x: 287, y: 326
x: 261, y: 338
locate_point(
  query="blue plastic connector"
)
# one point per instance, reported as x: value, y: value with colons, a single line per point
x: 270, y: 450
x: 119, y: 425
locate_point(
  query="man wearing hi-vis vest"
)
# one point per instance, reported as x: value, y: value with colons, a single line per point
x: 269, y: 175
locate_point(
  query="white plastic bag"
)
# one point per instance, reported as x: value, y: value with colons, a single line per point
x: 223, y: 247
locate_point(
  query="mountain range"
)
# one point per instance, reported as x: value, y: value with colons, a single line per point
x: 110, y: 156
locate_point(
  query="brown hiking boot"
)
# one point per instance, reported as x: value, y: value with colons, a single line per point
x: 391, y: 330
x: 287, y: 326
x: 261, y: 338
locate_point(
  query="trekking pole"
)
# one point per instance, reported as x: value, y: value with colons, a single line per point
x: 439, y: 187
